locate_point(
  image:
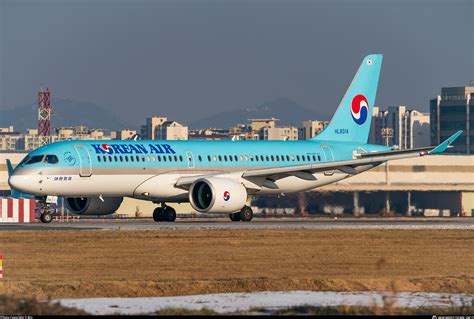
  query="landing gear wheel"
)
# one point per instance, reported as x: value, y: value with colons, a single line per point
x: 158, y: 215
x: 246, y: 214
x: 235, y: 217
x: 170, y: 214
x: 46, y: 218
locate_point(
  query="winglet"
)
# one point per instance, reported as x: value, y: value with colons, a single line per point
x: 443, y: 146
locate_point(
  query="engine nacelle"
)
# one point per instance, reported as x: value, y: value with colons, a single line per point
x: 93, y: 205
x: 217, y: 195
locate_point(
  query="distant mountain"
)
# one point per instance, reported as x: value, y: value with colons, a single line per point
x: 66, y: 112
x: 289, y: 112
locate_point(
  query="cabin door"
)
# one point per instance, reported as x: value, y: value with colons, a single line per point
x: 328, y: 156
x: 85, y: 163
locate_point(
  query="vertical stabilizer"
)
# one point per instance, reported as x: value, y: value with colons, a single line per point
x: 351, y: 122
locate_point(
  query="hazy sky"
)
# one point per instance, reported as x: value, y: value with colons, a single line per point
x: 188, y: 59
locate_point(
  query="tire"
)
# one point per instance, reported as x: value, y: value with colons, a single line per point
x: 46, y: 218
x: 170, y: 214
x: 235, y: 217
x: 158, y: 215
x: 246, y: 214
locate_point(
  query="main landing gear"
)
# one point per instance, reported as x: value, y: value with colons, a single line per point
x: 164, y: 214
x: 245, y: 215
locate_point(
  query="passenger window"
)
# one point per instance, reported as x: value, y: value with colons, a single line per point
x: 121, y: 158
x: 314, y: 158
x: 98, y: 158
x: 148, y: 158
x: 170, y: 158
x: 225, y: 158
x: 208, y: 158
x: 277, y: 158
x: 200, y: 158
x: 131, y: 158
x: 262, y: 158
x: 268, y: 158
x: 256, y: 158
x: 214, y: 158
x: 115, y: 158
x: 138, y: 158
x: 298, y: 158
x: 319, y: 158
x: 164, y: 158
x: 181, y: 158
x: 251, y: 158
x: 288, y: 158
x: 230, y: 158
x: 175, y: 158
x: 246, y: 158
x: 35, y: 159
x: 236, y: 158
x: 293, y: 158
x: 220, y: 158
x: 273, y: 158
x: 126, y: 158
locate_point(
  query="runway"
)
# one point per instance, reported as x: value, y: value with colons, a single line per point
x: 209, y: 224
x: 265, y: 301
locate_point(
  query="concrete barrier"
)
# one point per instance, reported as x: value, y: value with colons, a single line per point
x: 17, y: 210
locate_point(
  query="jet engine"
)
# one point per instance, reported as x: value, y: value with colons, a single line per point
x: 93, y: 205
x: 217, y: 195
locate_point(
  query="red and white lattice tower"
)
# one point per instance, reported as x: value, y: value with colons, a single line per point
x: 44, y: 116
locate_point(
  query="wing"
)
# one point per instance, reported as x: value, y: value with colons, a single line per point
x: 306, y: 171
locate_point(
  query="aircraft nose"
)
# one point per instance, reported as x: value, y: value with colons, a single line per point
x: 19, y: 183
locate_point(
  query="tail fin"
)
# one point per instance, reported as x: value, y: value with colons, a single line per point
x: 14, y: 193
x: 352, y: 119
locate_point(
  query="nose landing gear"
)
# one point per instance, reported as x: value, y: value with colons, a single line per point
x: 46, y: 211
x: 164, y: 214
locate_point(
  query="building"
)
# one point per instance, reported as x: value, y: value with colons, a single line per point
x: 16, y: 141
x: 123, y: 134
x: 159, y: 128
x: 279, y: 133
x: 263, y: 129
x: 450, y: 112
x: 147, y: 131
x: 209, y: 134
x: 400, y: 126
x: 171, y: 130
x: 312, y: 128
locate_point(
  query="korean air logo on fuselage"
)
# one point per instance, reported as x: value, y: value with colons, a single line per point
x: 124, y: 148
x: 107, y: 149
x: 226, y: 196
x: 359, y: 109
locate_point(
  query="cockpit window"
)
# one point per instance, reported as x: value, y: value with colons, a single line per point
x: 34, y: 159
x: 24, y: 160
x: 51, y: 159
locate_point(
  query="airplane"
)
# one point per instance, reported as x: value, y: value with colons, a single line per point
x: 215, y: 177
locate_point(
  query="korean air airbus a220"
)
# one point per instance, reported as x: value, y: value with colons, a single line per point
x: 216, y: 177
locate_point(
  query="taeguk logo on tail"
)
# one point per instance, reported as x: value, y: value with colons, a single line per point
x: 226, y: 196
x: 359, y: 109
